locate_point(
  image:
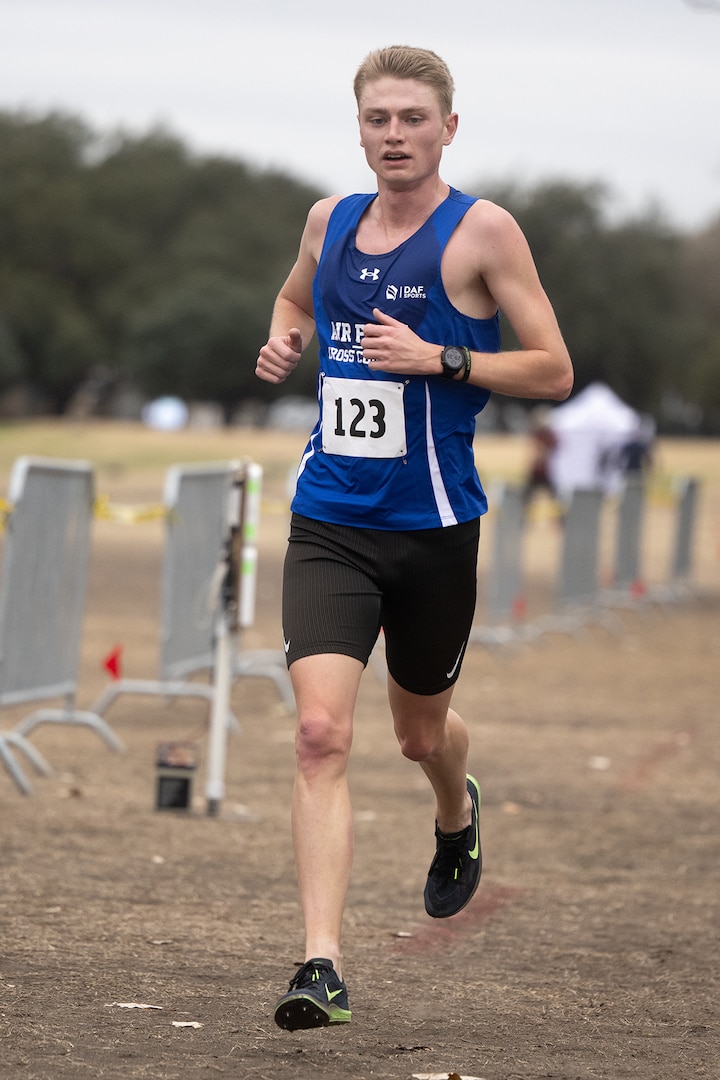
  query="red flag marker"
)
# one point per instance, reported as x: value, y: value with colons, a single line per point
x: 111, y: 663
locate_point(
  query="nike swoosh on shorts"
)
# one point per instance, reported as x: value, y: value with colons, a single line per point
x: 454, y: 668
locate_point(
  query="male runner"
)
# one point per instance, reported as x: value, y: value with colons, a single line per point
x: 403, y: 289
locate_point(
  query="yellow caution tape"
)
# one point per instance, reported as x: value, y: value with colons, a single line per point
x: 6, y: 509
x: 128, y: 515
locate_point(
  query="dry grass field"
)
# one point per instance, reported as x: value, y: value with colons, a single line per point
x: 591, y: 949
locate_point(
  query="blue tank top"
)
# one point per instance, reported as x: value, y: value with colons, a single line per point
x: 388, y: 451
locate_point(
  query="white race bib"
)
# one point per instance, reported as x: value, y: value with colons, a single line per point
x: 363, y: 418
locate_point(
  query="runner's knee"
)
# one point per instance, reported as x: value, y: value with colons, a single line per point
x: 321, y: 740
x: 420, y: 745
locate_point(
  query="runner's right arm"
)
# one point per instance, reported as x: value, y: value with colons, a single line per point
x: 293, y: 323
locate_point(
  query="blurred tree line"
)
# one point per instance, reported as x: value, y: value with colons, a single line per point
x: 130, y: 262
x: 638, y: 302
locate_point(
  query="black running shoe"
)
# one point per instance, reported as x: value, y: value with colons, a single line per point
x: 455, y: 871
x: 317, y: 996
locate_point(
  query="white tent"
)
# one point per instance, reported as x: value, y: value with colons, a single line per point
x: 591, y: 429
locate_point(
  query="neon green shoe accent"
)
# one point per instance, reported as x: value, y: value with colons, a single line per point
x: 475, y: 850
x: 340, y: 1016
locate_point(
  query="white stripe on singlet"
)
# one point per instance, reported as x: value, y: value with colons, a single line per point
x: 445, y: 510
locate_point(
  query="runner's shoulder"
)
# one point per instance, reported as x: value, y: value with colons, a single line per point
x: 317, y: 222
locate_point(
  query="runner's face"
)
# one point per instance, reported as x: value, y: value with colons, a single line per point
x: 403, y: 130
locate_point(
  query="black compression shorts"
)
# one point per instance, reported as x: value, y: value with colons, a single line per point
x: 343, y: 584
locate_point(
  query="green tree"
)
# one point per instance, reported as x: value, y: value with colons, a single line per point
x: 11, y: 358
x: 195, y: 336
x: 46, y: 266
x: 109, y: 243
x: 701, y: 349
x: 617, y: 288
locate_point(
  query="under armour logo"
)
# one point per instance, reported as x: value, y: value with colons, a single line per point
x: 372, y: 274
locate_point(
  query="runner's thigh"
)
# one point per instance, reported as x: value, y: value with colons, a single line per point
x: 330, y: 602
x: 429, y: 606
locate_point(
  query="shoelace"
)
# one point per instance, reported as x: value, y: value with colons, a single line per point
x: 451, y: 855
x: 305, y: 975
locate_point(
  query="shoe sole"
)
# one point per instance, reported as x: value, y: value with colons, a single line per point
x: 301, y: 1013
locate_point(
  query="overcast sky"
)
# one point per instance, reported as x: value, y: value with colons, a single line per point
x: 623, y: 91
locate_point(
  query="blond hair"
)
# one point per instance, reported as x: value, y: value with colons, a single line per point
x: 406, y: 62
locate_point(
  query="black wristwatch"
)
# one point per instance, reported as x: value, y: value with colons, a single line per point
x: 454, y: 359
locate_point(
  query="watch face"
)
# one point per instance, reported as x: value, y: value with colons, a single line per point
x: 453, y: 358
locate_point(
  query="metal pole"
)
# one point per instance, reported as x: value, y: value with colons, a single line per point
x: 225, y: 638
x: 217, y: 741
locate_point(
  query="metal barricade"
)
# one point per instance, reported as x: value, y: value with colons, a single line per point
x: 42, y: 600
x: 578, y: 596
x: 681, y: 563
x: 505, y: 576
x: 631, y: 509
x: 198, y: 501
x: 678, y: 586
x: 578, y: 578
x: 505, y: 581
